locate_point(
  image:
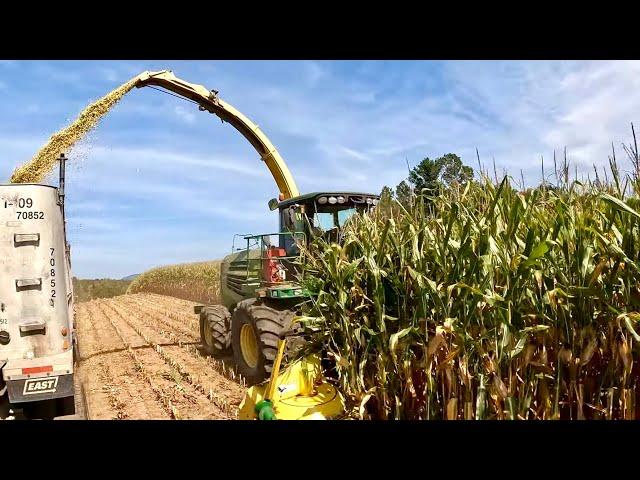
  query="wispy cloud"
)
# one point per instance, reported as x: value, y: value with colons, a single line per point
x: 110, y: 74
x: 184, y: 115
x: 355, y: 154
x: 151, y: 158
x: 314, y: 72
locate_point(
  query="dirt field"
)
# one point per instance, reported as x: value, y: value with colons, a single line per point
x: 139, y: 360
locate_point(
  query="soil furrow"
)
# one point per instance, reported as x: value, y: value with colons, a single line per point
x: 139, y: 360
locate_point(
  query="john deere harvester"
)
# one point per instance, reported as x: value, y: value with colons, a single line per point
x: 260, y: 279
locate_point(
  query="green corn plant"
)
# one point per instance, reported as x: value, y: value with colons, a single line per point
x: 197, y: 282
x: 485, y: 302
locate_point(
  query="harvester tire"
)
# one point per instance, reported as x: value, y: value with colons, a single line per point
x: 267, y: 324
x: 215, y: 330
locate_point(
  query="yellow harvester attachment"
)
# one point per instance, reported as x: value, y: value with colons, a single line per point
x: 299, y: 392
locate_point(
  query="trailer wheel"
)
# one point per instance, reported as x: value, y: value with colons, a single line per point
x: 42, y: 410
x: 215, y: 330
x: 4, y: 406
x: 256, y: 329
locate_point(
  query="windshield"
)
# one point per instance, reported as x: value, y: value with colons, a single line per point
x: 344, y: 215
x: 323, y: 221
x: 329, y: 220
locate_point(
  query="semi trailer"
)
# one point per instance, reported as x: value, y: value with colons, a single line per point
x: 37, y: 334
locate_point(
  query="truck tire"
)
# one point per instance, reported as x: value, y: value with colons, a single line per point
x: 42, y: 410
x: 215, y: 330
x: 4, y: 406
x: 254, y: 321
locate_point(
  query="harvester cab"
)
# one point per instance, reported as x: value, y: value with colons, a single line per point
x: 302, y: 219
x: 320, y: 214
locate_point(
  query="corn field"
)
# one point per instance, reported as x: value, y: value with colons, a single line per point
x: 487, y: 302
x: 197, y: 282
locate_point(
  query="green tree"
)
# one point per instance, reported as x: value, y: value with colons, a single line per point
x: 429, y: 176
x: 404, y: 192
x: 386, y: 194
x: 424, y: 176
x: 453, y: 170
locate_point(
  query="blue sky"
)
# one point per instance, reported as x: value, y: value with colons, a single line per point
x: 159, y: 182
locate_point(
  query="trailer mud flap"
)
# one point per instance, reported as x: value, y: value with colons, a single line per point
x: 40, y: 388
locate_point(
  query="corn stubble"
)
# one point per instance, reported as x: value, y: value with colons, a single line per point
x: 486, y: 303
x: 36, y: 169
x: 182, y: 372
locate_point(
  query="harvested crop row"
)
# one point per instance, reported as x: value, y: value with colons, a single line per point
x: 157, y: 323
x: 113, y: 392
x: 97, y: 337
x: 203, y: 363
x: 169, y: 383
x: 174, y: 303
x: 180, y: 362
x: 190, y: 320
x: 105, y: 379
x: 168, y: 309
x: 209, y: 363
x: 86, y: 331
x: 189, y: 334
x: 177, y: 361
x: 160, y: 393
x: 114, y: 388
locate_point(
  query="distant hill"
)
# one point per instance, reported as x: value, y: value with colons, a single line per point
x: 130, y: 277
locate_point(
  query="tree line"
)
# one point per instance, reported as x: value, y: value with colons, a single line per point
x: 429, y: 177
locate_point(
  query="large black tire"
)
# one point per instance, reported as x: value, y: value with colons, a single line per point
x: 42, y: 410
x: 49, y: 409
x: 215, y: 330
x: 267, y: 324
x: 4, y: 406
